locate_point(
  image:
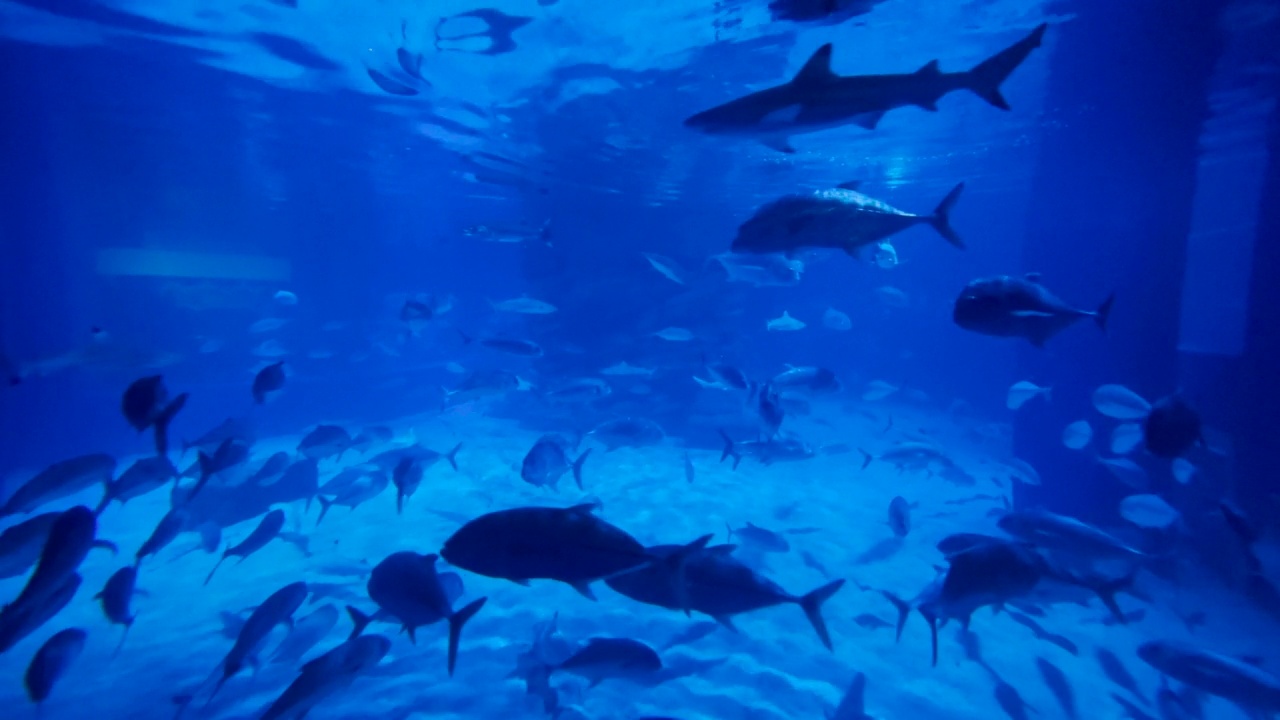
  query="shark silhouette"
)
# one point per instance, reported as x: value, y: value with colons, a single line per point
x: 817, y: 98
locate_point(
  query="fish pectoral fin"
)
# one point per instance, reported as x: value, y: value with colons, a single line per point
x: 584, y: 589
x: 867, y: 121
x: 726, y: 621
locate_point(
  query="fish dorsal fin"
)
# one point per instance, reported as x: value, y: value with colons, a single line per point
x: 930, y: 68
x: 583, y: 509
x: 851, y: 185
x: 1032, y: 277
x: 817, y: 69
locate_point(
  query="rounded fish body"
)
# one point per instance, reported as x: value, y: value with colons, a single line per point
x: 837, y: 219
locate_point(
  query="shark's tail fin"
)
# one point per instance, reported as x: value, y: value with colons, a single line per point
x: 904, y: 610
x: 941, y: 218
x: 812, y: 606
x: 987, y: 76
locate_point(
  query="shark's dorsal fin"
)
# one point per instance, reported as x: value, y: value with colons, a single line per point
x: 817, y: 69
x: 930, y: 68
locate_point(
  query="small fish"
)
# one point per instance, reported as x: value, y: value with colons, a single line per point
x: 1183, y: 470
x: 510, y: 346
x: 784, y: 323
x: 268, y: 380
x: 1011, y: 702
x: 624, y: 369
x: 268, y: 324
x: 1117, y: 672
x: 666, y: 267
x: 406, y: 476
x: 277, y: 609
x: 689, y: 472
x: 116, y: 597
x: 1127, y: 471
x: 1077, y: 435
x: 900, y: 516
x: 675, y: 334
x: 885, y: 255
x: 270, y: 349
x: 871, y: 622
x: 694, y: 632
x: 1125, y: 438
x: 266, y: 531
x: 1120, y: 403
x: 1058, y: 684
x: 833, y: 319
x: 878, y: 390
x: 760, y: 538
x: 51, y: 662
x: 893, y: 297
x: 1005, y: 306
x: 166, y: 530
x: 1149, y: 511
x: 524, y: 306
x: 286, y: 298
x: 760, y: 270
x: 1023, y: 391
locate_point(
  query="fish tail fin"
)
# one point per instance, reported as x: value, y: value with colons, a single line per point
x: 162, y: 423
x: 106, y: 500
x: 675, y: 566
x: 941, y: 217
x: 359, y: 621
x: 215, y: 568
x: 866, y: 458
x: 399, y: 501
x: 933, y: 635
x: 1108, y: 590
x: 456, y: 621
x: 1103, y: 313
x: 904, y: 610
x: 206, y: 471
x: 811, y: 604
x: 452, y: 456
x: 128, y: 625
x: 985, y: 78
x: 577, y: 467
x: 729, y: 450
x: 325, y: 504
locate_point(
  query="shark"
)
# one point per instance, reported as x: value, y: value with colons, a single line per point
x: 818, y: 99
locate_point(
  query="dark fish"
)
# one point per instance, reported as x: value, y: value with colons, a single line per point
x: 498, y: 30
x: 271, y: 470
x: 424, y: 456
x: 174, y: 522
x: 548, y: 460
x: 871, y: 622
x: 813, y: 563
x: 144, y: 476
x: 371, y: 436
x: 693, y: 633
x: 328, y: 674
x: 238, y: 429
x: 116, y: 597
x: 60, y: 480
x: 306, y: 633
x: 1132, y: 711
x: 1010, y: 701
x: 807, y: 379
x: 228, y: 455
x: 406, y: 476
x: 853, y: 704
x: 20, y: 544
x: 367, y: 487
x: 146, y: 404
x: 778, y: 449
x: 18, y: 620
x: 70, y: 538
x: 389, y: 86
x: 770, y: 411
x: 628, y: 432
x: 1172, y: 428
x: 1058, y: 684
x: 277, y: 609
x: 836, y: 218
x: 719, y: 586
x: 1254, y: 690
x: 220, y: 505
x: 407, y: 586
x: 900, y: 516
x: 410, y: 63
x: 268, y: 380
x: 960, y: 542
x: 1041, y: 634
x: 571, y: 545
x: 51, y: 661
x: 1116, y: 672
x: 603, y: 658
x: 325, y: 441
x: 689, y: 472
x: 265, y: 532
x: 1005, y: 306
x: 523, y: 348
x: 759, y: 538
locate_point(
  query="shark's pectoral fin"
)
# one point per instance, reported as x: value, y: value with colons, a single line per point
x: 784, y: 116
x: 930, y: 68
x: 930, y: 105
x: 780, y: 143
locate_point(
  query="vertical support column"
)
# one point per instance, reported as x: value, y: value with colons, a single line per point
x: 1111, y: 210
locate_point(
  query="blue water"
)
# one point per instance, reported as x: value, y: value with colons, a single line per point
x: 402, y: 202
